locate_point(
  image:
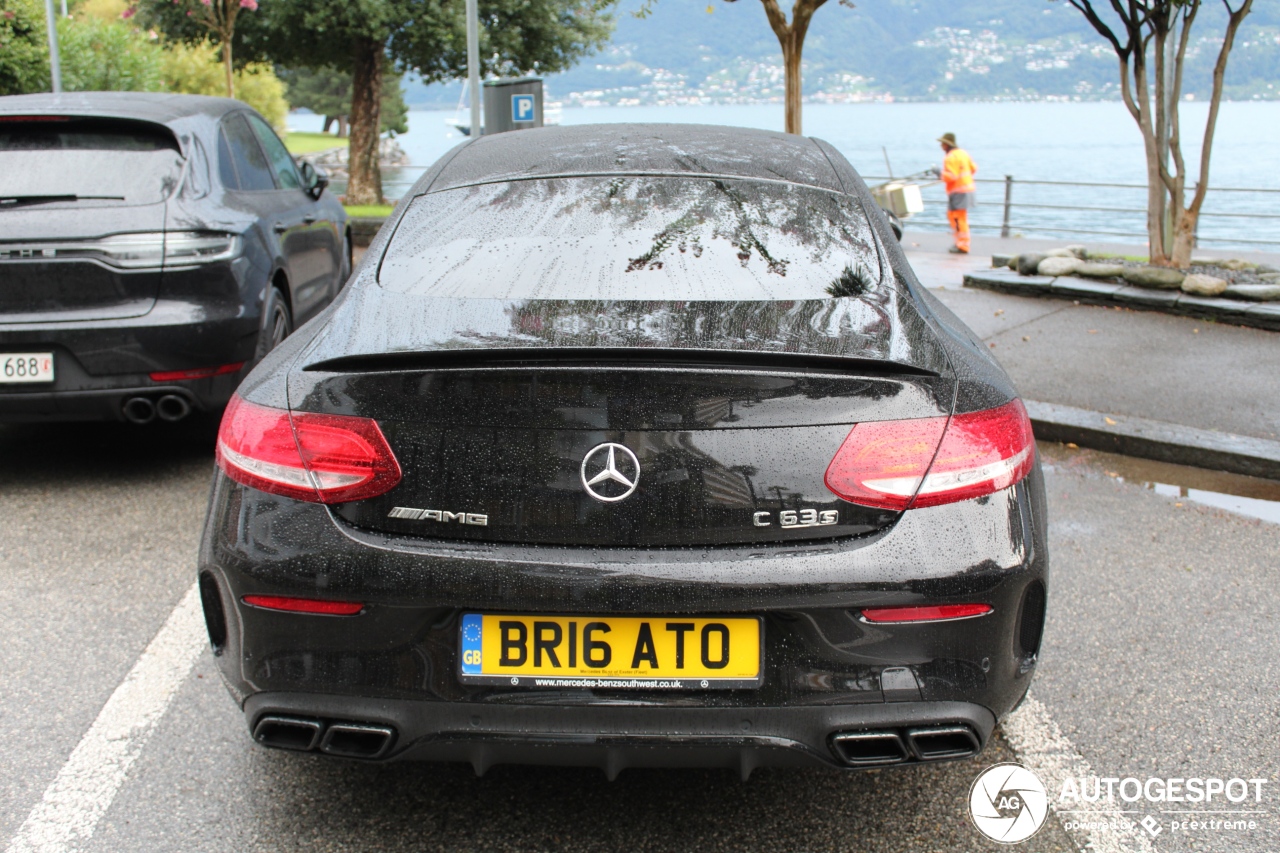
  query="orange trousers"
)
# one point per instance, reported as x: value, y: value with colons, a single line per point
x: 959, y: 220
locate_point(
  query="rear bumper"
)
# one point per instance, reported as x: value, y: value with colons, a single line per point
x: 825, y: 670
x: 617, y: 737
x: 100, y: 365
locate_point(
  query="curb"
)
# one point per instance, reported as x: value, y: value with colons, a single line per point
x: 1259, y: 315
x: 365, y: 228
x: 1164, y: 442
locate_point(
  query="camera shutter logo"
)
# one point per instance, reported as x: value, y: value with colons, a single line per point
x: 1008, y: 803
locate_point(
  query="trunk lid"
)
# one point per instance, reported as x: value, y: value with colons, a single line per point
x: 52, y: 267
x: 700, y: 455
x: 73, y: 189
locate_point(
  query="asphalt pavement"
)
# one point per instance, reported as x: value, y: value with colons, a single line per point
x: 1160, y: 657
x: 1177, y: 370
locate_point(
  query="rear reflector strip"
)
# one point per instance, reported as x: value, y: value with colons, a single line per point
x: 197, y: 373
x: 304, y: 605
x: 934, y: 613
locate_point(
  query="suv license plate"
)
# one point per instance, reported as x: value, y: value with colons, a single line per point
x: 610, y: 652
x: 26, y: 367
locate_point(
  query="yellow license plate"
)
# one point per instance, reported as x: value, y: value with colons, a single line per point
x: 663, y: 652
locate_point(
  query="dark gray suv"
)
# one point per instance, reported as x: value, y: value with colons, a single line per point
x: 152, y: 249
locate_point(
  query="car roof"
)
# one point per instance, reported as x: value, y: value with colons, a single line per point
x: 158, y: 107
x: 630, y: 149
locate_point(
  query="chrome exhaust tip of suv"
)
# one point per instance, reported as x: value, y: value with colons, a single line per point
x: 139, y: 410
x: 172, y: 408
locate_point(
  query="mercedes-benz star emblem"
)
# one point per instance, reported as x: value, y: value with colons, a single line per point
x: 610, y: 472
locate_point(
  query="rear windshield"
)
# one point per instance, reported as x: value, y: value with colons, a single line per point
x: 633, y: 237
x: 106, y: 161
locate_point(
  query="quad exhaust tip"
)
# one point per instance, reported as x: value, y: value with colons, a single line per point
x: 870, y: 749
x: 925, y: 743
x: 342, y: 738
x: 940, y: 743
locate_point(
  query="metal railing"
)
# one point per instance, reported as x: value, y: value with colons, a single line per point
x: 1068, y: 223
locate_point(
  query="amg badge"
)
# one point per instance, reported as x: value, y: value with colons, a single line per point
x: 444, y: 515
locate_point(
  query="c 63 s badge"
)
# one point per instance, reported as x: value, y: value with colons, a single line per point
x: 790, y: 518
x: 441, y: 515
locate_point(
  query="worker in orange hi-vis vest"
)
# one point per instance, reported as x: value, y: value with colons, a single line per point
x: 957, y: 174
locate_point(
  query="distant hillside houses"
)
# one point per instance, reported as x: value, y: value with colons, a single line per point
x: 901, y: 50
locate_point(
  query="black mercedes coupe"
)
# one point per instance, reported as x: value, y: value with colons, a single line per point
x: 153, y: 248
x: 629, y: 445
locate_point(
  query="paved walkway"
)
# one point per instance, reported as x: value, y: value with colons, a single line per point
x: 1116, y: 361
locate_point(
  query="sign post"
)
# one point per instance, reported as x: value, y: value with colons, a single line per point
x: 473, y: 63
x: 55, y: 66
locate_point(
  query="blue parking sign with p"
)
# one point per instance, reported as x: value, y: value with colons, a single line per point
x: 522, y: 107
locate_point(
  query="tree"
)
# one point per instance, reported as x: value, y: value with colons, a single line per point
x: 1150, y: 39
x: 108, y: 56
x: 193, y: 69
x: 362, y: 38
x: 328, y: 92
x: 791, y: 39
x: 217, y: 19
x: 24, y: 55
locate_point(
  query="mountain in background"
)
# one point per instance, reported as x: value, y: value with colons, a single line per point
x: 714, y: 52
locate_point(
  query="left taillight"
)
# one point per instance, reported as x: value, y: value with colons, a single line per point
x: 303, y: 455
x: 900, y: 465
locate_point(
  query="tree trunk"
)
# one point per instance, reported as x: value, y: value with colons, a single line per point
x: 226, y: 62
x: 791, y: 49
x: 364, y: 183
x: 1184, y: 239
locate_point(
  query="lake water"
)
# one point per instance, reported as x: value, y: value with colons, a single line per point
x: 1075, y: 142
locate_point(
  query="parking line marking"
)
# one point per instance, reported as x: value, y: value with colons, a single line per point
x: 1041, y: 747
x: 85, y: 786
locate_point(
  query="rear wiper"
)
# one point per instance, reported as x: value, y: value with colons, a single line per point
x: 18, y: 200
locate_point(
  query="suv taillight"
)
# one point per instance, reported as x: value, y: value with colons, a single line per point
x: 311, y: 457
x: 899, y: 465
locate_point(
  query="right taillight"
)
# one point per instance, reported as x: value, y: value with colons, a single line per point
x: 304, y: 455
x: 898, y: 465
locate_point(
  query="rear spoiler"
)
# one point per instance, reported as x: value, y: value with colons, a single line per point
x: 598, y: 358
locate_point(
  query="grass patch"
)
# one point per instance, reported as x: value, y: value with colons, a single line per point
x: 369, y: 210
x: 307, y: 143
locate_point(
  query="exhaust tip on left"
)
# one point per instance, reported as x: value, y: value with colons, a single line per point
x: 299, y: 733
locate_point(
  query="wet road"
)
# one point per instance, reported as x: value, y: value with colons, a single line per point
x: 1160, y: 659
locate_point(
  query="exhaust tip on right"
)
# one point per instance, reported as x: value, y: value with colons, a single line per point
x: 941, y: 743
x: 355, y: 740
x: 172, y: 408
